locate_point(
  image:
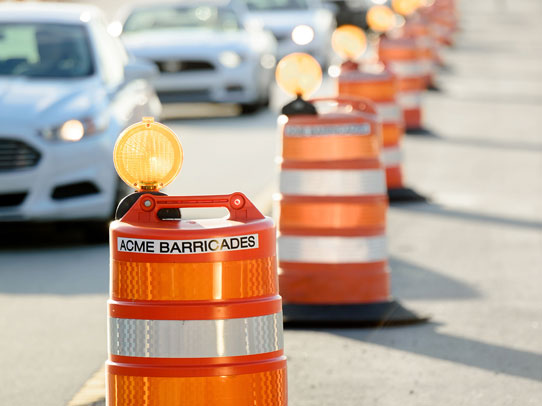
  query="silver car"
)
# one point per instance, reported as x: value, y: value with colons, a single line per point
x: 204, y: 51
x: 67, y: 89
x: 298, y: 25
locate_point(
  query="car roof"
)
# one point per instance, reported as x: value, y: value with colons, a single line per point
x: 129, y: 8
x: 48, y: 12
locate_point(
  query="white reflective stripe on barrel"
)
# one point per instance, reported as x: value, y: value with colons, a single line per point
x: 195, y: 338
x: 336, y: 182
x: 406, y: 69
x: 410, y: 100
x: 425, y: 42
x: 332, y: 250
x: 428, y: 66
x: 327, y: 130
x: 357, y: 76
x: 391, y: 156
x: 389, y: 112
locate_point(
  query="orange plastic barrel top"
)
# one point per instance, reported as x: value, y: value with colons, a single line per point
x: 194, y: 315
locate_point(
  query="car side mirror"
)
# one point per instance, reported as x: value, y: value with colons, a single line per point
x: 139, y: 69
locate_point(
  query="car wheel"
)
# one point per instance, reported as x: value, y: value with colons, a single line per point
x: 250, y: 108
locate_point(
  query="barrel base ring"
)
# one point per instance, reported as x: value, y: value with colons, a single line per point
x: 419, y: 131
x: 405, y: 194
x: 381, y: 314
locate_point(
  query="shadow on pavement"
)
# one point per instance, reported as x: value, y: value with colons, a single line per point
x: 258, y: 119
x: 25, y: 236
x: 438, y: 210
x: 426, y: 340
x: 411, y: 281
x: 477, y: 142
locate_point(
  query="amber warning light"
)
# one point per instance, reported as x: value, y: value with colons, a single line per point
x: 148, y: 155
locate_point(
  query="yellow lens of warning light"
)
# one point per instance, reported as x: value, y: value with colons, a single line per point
x: 380, y: 18
x: 349, y: 41
x: 405, y: 7
x: 148, y: 155
x: 299, y: 74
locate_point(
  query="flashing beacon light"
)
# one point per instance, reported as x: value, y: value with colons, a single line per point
x: 148, y: 155
x: 381, y: 18
x: 299, y: 74
x: 405, y: 7
x: 349, y: 42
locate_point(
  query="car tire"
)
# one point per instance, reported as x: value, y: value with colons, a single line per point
x: 250, y: 108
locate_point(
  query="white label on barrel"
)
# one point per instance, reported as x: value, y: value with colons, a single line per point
x: 219, y: 244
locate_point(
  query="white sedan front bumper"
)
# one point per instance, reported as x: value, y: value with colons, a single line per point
x: 70, y: 181
x: 246, y: 83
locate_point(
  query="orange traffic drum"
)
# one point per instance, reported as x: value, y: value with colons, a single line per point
x: 194, y: 315
x: 401, y: 55
x: 332, y: 218
x: 419, y: 28
x: 380, y: 86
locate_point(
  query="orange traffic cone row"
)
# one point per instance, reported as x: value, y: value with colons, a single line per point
x: 418, y: 27
x: 194, y: 315
x: 401, y: 55
x: 380, y: 86
x: 333, y: 265
x: 442, y: 16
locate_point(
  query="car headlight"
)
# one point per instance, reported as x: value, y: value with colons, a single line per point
x: 268, y: 61
x: 230, y: 59
x: 302, y: 34
x: 75, y: 130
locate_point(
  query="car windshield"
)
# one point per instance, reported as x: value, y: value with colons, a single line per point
x: 186, y: 17
x: 44, y: 50
x: 256, y: 5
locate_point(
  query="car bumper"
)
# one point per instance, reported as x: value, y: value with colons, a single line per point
x: 70, y: 181
x: 244, y: 84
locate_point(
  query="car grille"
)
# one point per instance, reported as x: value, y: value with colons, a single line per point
x: 185, y: 96
x: 12, y: 199
x: 284, y: 36
x: 184, y: 66
x: 17, y: 155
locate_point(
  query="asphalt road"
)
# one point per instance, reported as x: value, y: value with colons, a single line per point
x: 472, y: 258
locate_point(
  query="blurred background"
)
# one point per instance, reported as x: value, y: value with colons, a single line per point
x: 73, y: 75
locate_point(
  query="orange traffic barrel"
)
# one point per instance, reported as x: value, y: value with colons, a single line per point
x: 401, y: 56
x: 380, y: 86
x: 443, y: 21
x: 194, y: 314
x: 418, y: 27
x: 332, y: 218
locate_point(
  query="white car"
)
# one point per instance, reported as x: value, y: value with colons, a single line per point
x: 298, y: 25
x: 67, y: 89
x: 203, y: 50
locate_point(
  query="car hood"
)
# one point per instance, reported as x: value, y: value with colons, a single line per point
x: 44, y: 102
x: 283, y: 21
x: 192, y: 43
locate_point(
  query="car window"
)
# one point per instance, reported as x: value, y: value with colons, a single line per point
x: 45, y: 50
x: 185, y: 17
x: 256, y: 5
